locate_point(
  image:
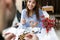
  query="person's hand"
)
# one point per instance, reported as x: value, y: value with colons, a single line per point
x: 9, y: 36
x: 31, y: 36
x: 23, y: 21
x: 33, y: 24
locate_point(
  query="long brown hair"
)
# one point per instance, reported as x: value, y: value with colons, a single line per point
x: 36, y: 9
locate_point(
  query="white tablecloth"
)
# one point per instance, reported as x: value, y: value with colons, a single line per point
x: 42, y: 36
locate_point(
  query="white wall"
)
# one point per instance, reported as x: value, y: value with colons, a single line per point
x: 19, y: 5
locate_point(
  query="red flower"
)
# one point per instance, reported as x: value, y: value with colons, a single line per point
x: 48, y: 24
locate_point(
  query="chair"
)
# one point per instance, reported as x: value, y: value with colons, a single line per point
x: 48, y: 8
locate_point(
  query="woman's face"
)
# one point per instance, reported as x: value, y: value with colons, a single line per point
x: 31, y: 4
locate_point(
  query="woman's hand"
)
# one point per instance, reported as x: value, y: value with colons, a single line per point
x: 23, y: 21
x: 33, y: 24
x: 9, y: 36
x: 31, y: 36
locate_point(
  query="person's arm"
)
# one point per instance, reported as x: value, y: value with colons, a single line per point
x: 23, y: 15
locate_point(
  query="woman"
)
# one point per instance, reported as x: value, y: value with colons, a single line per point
x: 32, y: 13
x: 32, y: 17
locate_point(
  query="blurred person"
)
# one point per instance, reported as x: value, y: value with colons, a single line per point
x: 7, y: 13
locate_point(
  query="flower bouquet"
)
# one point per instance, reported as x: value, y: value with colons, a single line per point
x: 48, y: 24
